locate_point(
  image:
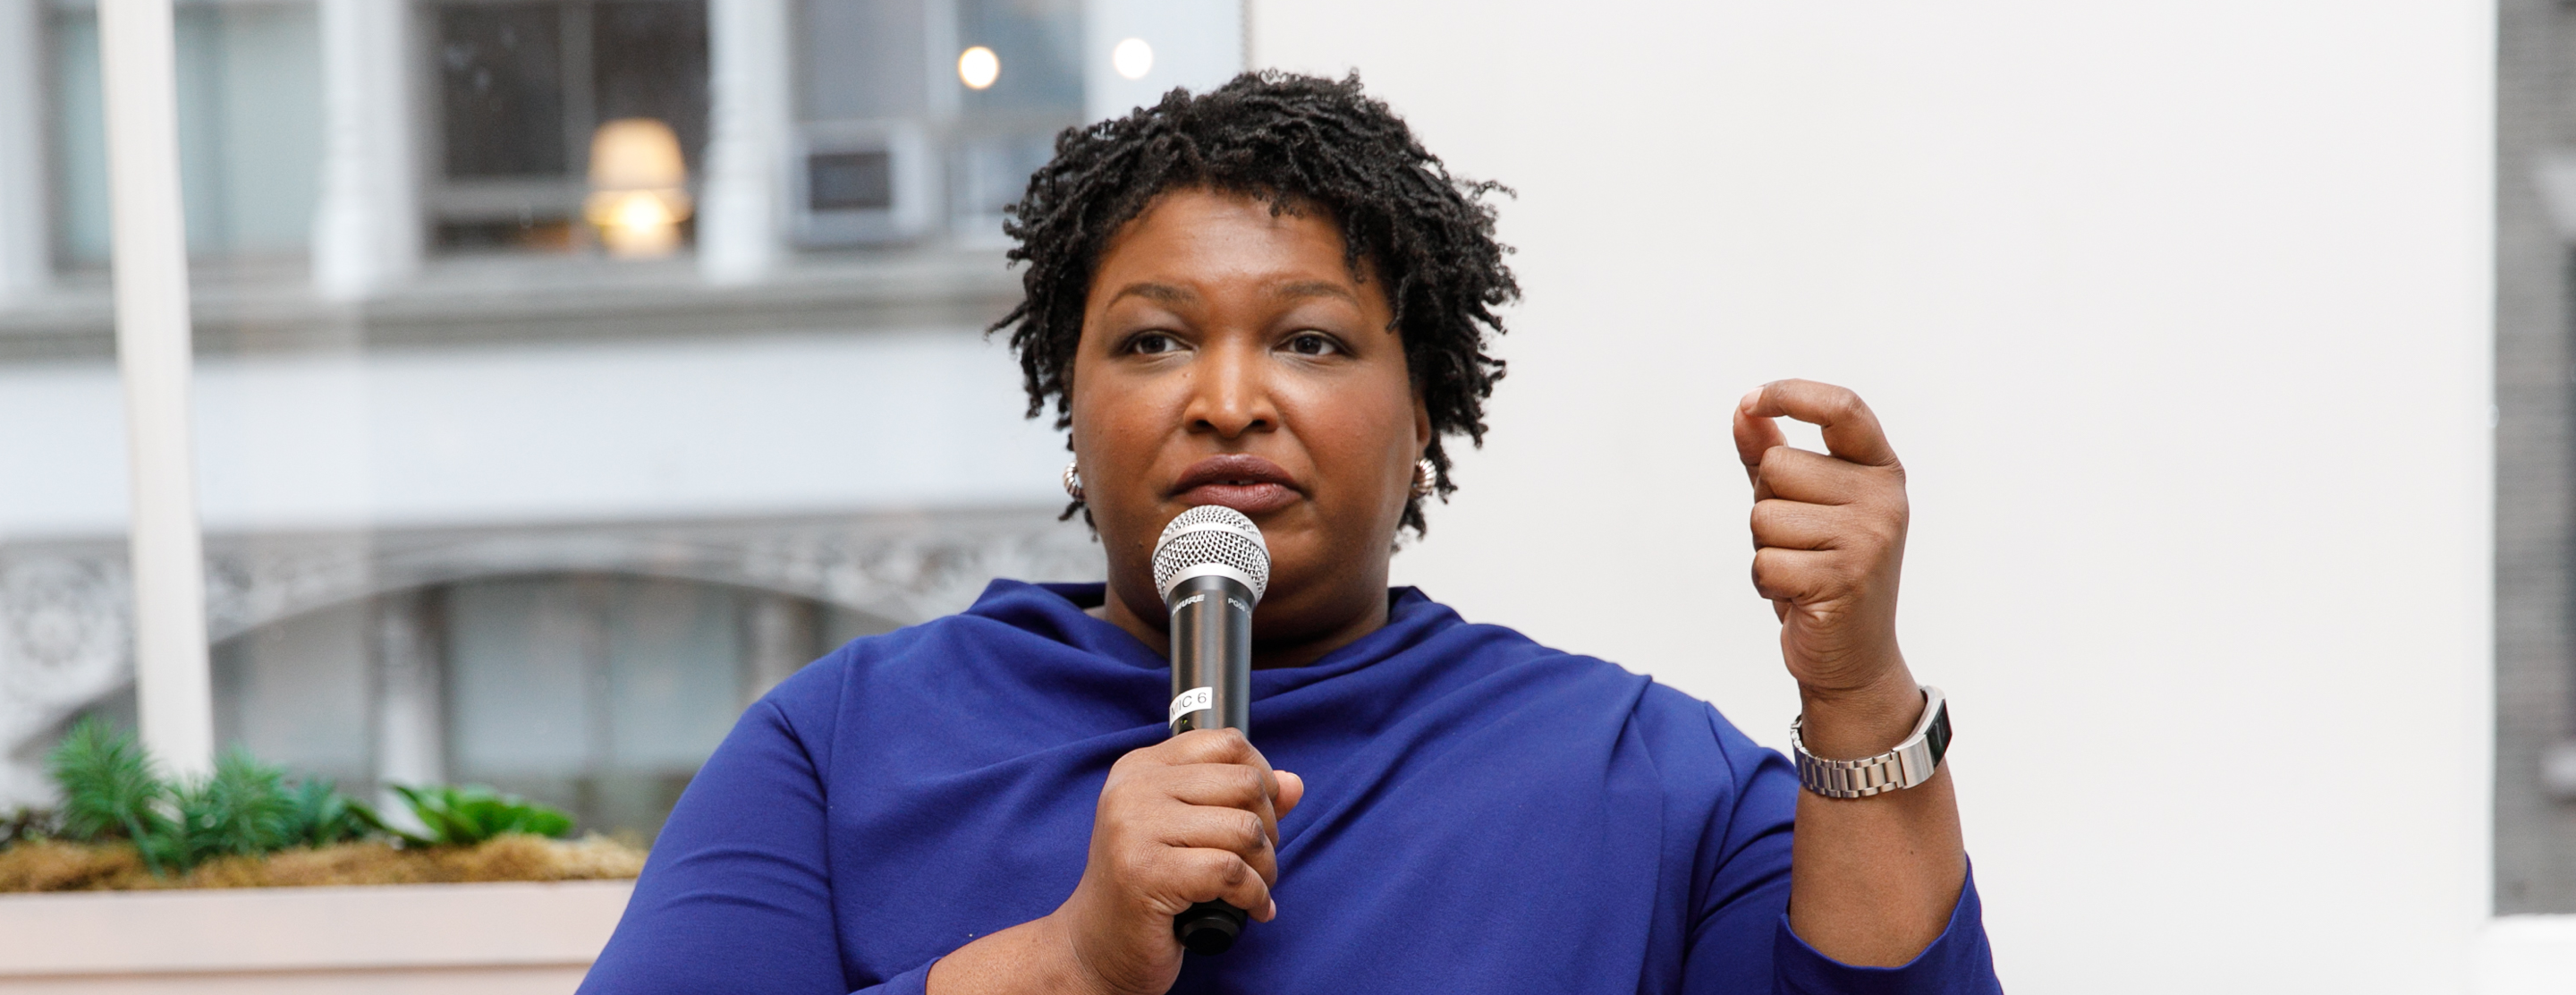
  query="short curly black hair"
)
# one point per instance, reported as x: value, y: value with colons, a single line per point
x: 1300, y: 142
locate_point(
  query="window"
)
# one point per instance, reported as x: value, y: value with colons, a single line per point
x: 250, y: 128
x: 444, y: 420
x: 603, y: 693
x: 505, y: 97
x: 885, y: 112
x: 600, y: 694
x: 523, y: 85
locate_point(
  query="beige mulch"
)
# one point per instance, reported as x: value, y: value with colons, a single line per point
x: 53, y: 865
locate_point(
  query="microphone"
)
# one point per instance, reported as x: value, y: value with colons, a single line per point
x: 1211, y: 566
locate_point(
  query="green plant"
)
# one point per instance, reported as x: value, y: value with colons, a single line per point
x: 474, y: 813
x: 242, y: 809
x: 245, y: 807
x: 324, y: 816
x: 109, y: 789
x: 111, y: 792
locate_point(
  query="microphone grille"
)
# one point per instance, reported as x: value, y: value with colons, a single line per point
x: 1212, y: 533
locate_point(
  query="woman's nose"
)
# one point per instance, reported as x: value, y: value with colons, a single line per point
x: 1231, y: 393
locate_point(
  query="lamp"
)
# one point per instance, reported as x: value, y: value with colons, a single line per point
x: 978, y: 67
x: 638, y: 188
x: 1132, y: 58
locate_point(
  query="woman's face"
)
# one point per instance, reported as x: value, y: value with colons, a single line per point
x: 1229, y: 356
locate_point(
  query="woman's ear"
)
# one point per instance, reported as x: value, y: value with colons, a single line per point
x: 1421, y: 427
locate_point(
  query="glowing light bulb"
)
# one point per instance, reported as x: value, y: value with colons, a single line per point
x: 638, y: 188
x: 1132, y: 58
x: 642, y: 211
x: 978, y: 67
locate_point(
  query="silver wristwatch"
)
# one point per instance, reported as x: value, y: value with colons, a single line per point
x: 1910, y: 763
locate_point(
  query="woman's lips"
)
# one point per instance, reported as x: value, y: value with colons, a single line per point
x: 1250, y: 499
x: 1240, y: 481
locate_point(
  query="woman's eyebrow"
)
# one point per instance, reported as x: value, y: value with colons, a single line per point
x: 1160, y: 293
x: 1315, y: 288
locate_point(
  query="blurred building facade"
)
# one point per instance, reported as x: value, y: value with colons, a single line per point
x: 570, y: 371
x: 2535, y: 390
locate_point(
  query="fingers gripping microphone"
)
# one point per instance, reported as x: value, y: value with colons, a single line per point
x: 1211, y: 566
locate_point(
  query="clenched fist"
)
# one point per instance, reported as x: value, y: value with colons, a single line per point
x: 1828, y: 535
x: 1872, y: 880
x: 1194, y: 818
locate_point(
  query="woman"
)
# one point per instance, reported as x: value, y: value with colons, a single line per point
x: 1271, y: 297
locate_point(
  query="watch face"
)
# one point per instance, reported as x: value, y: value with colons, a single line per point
x: 1938, y: 737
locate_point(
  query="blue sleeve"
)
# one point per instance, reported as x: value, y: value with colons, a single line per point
x: 1957, y: 963
x: 1742, y: 944
x: 736, y: 897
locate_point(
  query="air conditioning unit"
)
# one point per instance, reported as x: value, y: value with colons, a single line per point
x: 861, y: 183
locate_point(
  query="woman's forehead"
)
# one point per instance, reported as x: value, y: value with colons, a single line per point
x: 1198, y: 236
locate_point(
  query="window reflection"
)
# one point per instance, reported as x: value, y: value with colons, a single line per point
x: 890, y: 146
x: 520, y: 465
x: 599, y: 693
x: 607, y: 692
x: 1038, y: 44
x: 249, y: 129
x: 525, y: 85
x: 501, y: 89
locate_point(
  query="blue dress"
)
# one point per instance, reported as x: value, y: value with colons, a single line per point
x: 1482, y: 814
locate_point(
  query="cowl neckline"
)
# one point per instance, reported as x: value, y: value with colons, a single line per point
x: 1057, y: 612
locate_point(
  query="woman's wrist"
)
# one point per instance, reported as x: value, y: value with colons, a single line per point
x: 1863, y: 721
x: 1037, y: 956
x: 1066, y: 971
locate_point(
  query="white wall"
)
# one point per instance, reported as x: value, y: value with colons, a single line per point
x: 2178, y: 311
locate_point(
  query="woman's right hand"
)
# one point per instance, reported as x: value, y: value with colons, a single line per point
x: 1192, y: 819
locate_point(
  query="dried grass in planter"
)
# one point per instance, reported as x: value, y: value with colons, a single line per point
x: 54, y: 865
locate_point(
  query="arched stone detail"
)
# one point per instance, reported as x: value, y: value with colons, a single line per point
x: 66, y: 622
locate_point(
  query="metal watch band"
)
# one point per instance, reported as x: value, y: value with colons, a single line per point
x: 1910, y: 763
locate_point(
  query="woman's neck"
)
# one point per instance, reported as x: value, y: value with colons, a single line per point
x: 1294, y: 651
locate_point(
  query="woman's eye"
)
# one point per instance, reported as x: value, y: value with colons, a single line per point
x: 1151, y: 343
x: 1311, y: 344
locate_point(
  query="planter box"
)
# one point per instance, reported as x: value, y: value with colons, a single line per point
x: 490, y: 939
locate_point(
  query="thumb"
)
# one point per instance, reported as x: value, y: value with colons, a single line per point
x: 1292, y: 789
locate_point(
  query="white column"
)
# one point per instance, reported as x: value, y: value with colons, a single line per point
x: 26, y: 263
x: 411, y: 736
x: 366, y: 231
x: 779, y: 633
x: 750, y: 117
x: 152, y: 350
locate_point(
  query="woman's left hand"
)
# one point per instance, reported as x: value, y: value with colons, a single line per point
x: 1872, y: 881
x: 1828, y: 535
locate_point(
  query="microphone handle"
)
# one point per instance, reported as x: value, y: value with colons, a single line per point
x: 1211, y: 689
